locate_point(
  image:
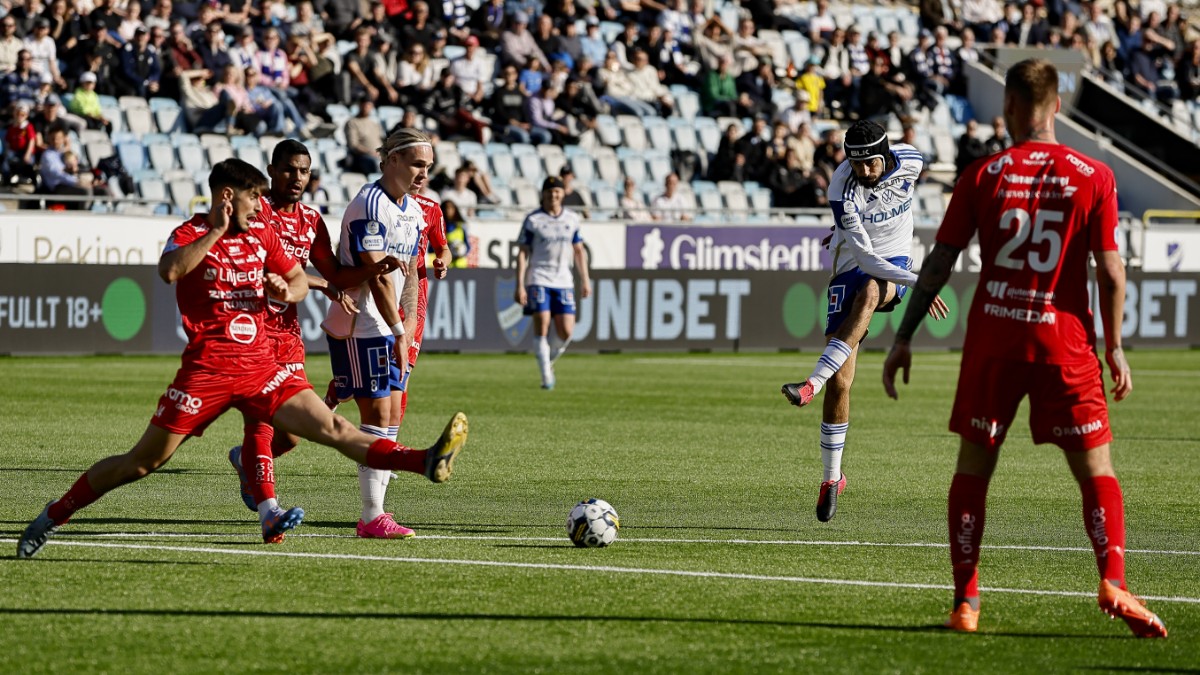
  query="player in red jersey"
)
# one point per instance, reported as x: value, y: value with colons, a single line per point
x: 433, y: 238
x: 225, y: 266
x: 1039, y: 209
x: 302, y: 232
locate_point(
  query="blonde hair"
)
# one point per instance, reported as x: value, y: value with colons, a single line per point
x: 403, y: 139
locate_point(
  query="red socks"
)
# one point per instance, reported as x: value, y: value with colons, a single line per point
x: 1104, y: 519
x: 387, y: 454
x: 257, y: 461
x: 968, y: 497
x: 80, y: 495
x: 403, y: 408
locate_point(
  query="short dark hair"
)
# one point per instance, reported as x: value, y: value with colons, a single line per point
x: 287, y: 149
x: 1034, y: 82
x: 236, y: 174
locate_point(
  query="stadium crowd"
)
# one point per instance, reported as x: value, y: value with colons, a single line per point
x: 528, y: 71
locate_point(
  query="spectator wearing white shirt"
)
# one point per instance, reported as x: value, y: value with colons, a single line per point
x: 798, y: 114
x: 244, y: 54
x: 632, y: 206
x: 647, y: 87
x: 670, y: 205
x: 472, y: 72
x: 461, y: 193
x: 44, y: 51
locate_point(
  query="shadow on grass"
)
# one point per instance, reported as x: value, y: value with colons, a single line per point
x: 1137, y: 669
x: 451, y: 616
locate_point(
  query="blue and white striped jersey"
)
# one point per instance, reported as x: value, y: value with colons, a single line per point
x: 551, y: 241
x: 875, y: 223
x: 374, y: 222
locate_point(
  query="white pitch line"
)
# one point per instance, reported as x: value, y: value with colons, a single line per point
x: 591, y: 568
x: 625, y: 539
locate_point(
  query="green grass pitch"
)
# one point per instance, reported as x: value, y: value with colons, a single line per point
x: 721, y: 565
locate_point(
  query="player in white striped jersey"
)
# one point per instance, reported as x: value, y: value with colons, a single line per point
x: 871, y: 194
x: 369, y: 351
x: 548, y: 242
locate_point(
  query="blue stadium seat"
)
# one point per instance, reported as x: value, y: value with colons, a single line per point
x: 133, y: 156
x: 503, y: 168
x: 252, y: 155
x: 530, y: 167
x: 608, y: 166
x: 162, y: 155
x: 657, y: 133
x: 608, y: 131
x: 191, y: 158
x: 584, y: 167
x: 180, y: 140
x: 659, y: 166
x: 633, y: 166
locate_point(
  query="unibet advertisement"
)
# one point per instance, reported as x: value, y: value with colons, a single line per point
x: 49, y: 309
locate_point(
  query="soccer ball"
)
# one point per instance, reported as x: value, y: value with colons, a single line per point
x: 593, y: 524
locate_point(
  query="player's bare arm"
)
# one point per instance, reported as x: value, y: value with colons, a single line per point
x: 409, y: 299
x: 177, y: 263
x: 441, y: 260
x: 383, y: 292
x: 1110, y: 283
x: 290, y: 287
x: 924, y: 299
x: 333, y: 293
x: 519, y: 294
x: 581, y: 266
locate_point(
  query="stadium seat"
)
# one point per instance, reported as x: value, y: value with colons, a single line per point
x: 168, y: 115
x: 98, y: 150
x: 687, y: 105
x: 180, y: 140
x: 659, y: 166
x: 657, y: 133
x: 608, y: 131
x: 553, y: 158
x: 503, y: 168
x: 633, y: 133
x: 239, y: 142
x: 191, y: 157
x: 734, y: 194
x: 200, y: 178
x: 352, y: 181
x: 709, y: 200
x: 139, y: 120
x: 389, y: 116
x: 526, y: 197
x: 685, y: 138
x: 162, y: 155
x: 760, y: 200
x: 133, y: 156
x: 331, y: 159
x: 530, y: 167
x: 252, y: 155
x: 218, y: 154
x: 584, y: 168
x: 608, y: 167
x: 633, y: 166
x: 268, y: 143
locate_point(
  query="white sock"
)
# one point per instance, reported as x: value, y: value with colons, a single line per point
x: 266, y: 506
x: 557, y: 347
x: 832, y: 359
x: 542, y: 349
x: 372, y: 485
x: 833, y: 441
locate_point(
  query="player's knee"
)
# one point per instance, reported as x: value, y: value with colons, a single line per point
x: 338, y: 428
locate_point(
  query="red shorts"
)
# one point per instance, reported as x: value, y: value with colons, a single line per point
x: 198, y: 396
x: 288, y: 349
x: 1066, y: 403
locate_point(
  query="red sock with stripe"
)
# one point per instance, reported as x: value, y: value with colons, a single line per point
x: 257, y: 460
x: 1104, y: 518
x: 387, y: 454
x: 80, y: 495
x: 965, y: 516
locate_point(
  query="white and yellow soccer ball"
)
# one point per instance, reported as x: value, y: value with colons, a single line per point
x: 593, y: 523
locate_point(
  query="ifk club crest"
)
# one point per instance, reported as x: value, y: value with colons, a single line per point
x: 513, y: 322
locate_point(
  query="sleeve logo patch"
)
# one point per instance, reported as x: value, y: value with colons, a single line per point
x: 373, y: 226
x: 372, y: 243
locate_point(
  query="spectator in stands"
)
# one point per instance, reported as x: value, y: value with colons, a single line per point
x: 1146, y: 72
x: 244, y: 53
x: 1187, y: 72
x: 1031, y: 31
x: 821, y: 25
x: 213, y: 49
x: 543, y: 114
x: 20, y: 147
x: 487, y: 23
x: 748, y: 48
x: 447, y: 104
x: 276, y: 76
x: 131, y: 21
x: 1000, y: 140
x: 44, y: 51
x: 363, y: 73
x: 970, y: 148
x: 203, y: 110
x: 86, y: 103
x: 571, y: 197
x: 481, y: 184
x: 141, y: 67
x: 718, y: 91
x: 472, y: 71
x: 713, y: 43
x: 632, y: 206
x: 1129, y: 37
x: 338, y: 15
x: 626, y: 42
x: 22, y: 83
x: 793, y: 186
x: 53, y: 171
x: 646, y: 84
x: 800, y: 112
x: 380, y: 24
x: 1112, y: 65
x: 421, y: 28
x: 161, y: 15
x: 782, y: 140
x: 546, y: 35
x: 980, y: 15
x: 460, y: 191
x: 240, y: 113
x: 313, y: 76
x: 841, y: 89
x: 758, y: 86
x: 533, y: 77
x: 48, y: 111
x: 618, y: 90
x: 753, y: 146
x: 592, y: 45
x: 416, y: 77
x: 728, y: 163
x: 457, y: 237
x: 965, y: 54
x: 667, y: 58
x: 670, y: 205
x: 517, y: 46
x: 860, y: 61
x: 581, y: 105
x: 885, y: 92
x: 507, y: 110
x: 364, y: 137
x: 317, y: 194
x: 812, y: 83
x: 1154, y: 30
x: 830, y: 154
x: 10, y: 45
x: 66, y: 26
x: 266, y: 106
x: 943, y: 67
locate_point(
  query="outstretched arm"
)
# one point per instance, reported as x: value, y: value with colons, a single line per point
x: 935, y: 272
